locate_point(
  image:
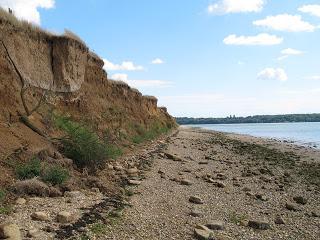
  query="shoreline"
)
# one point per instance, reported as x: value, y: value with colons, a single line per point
x: 300, y: 143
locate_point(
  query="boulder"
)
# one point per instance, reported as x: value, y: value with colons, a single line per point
x: 40, y: 216
x: 195, y: 200
x: 10, y: 231
x: 215, y: 225
x: 65, y: 217
x: 257, y: 224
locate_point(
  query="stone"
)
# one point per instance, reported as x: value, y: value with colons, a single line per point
x: 118, y: 168
x: 10, y: 231
x: 132, y: 171
x: 202, y: 232
x: 261, y: 197
x: 186, y: 182
x: 134, y: 182
x: 219, y: 184
x: 32, y: 233
x: 300, y: 200
x: 64, y: 217
x: 40, y: 216
x: 215, y: 225
x: 246, y: 189
x: 21, y: 201
x: 291, y: 206
x: 195, y: 213
x: 279, y: 220
x: 315, y: 214
x: 195, y: 200
x: 203, y: 162
x: 54, y: 192
x: 173, y: 157
x: 261, y: 225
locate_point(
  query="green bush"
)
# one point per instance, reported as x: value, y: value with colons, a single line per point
x: 81, y: 144
x: 29, y: 170
x: 55, y: 175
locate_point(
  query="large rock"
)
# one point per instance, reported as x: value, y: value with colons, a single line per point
x: 257, y: 224
x: 65, y: 217
x: 40, y: 216
x: 31, y: 187
x: 215, y: 225
x: 10, y: 231
x: 300, y: 200
x: 202, y: 232
x: 195, y: 200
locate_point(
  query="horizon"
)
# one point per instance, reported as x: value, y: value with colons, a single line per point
x: 200, y: 59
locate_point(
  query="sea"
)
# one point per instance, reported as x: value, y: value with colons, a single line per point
x: 302, y: 133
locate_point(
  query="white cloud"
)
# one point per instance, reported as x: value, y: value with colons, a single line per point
x: 141, y: 83
x: 291, y: 51
x: 311, y: 9
x: 157, y: 61
x: 285, y: 22
x: 236, y: 6
x: 315, y: 77
x: 273, y: 74
x: 260, y: 39
x: 124, y: 66
x: 27, y: 9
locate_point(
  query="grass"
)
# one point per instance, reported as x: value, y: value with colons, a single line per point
x: 29, y: 170
x: 98, y: 229
x: 74, y: 36
x: 144, y: 134
x: 81, y: 144
x: 5, y: 210
x: 236, y: 218
x: 55, y: 175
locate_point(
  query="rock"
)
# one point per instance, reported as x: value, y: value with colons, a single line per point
x: 261, y: 197
x: 219, y: 184
x: 21, y: 201
x: 246, y: 189
x: 315, y: 214
x: 300, y: 200
x: 291, y: 206
x: 215, y: 225
x: 203, y: 162
x: 31, y: 187
x: 261, y: 225
x: 195, y: 200
x: 40, y: 216
x: 32, y: 233
x: 186, y: 182
x: 132, y: 171
x: 96, y: 190
x: 10, y: 231
x: 134, y: 182
x: 118, y: 168
x: 173, y: 157
x: 195, y: 213
x: 279, y: 220
x: 202, y: 232
x: 64, y: 217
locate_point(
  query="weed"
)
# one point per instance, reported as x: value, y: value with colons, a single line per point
x: 81, y: 144
x: 55, y: 175
x: 2, y: 195
x: 29, y: 170
x: 236, y: 218
x: 5, y: 210
x: 98, y: 229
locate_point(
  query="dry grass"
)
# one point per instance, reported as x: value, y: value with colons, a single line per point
x: 117, y: 82
x: 69, y: 34
x: 33, y: 29
x: 150, y: 98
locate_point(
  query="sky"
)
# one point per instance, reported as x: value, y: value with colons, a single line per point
x: 200, y: 58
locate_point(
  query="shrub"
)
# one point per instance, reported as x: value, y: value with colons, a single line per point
x: 55, y: 175
x: 143, y: 134
x: 113, y: 151
x: 81, y: 145
x: 29, y: 170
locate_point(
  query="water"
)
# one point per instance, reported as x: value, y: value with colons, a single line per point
x: 303, y: 133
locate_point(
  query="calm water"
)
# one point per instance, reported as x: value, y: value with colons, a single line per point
x: 301, y: 133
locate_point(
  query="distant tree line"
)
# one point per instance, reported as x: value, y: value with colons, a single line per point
x: 252, y: 119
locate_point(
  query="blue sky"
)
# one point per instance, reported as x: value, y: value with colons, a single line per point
x: 200, y: 57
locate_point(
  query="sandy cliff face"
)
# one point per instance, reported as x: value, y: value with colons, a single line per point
x: 77, y: 85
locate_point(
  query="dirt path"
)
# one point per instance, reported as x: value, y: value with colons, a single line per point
x: 237, y: 183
